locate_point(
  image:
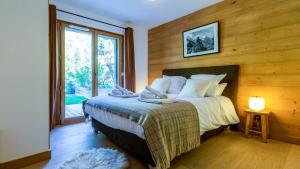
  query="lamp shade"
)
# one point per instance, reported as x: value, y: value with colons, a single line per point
x: 256, y: 103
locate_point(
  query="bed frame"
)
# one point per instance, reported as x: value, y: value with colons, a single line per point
x: 138, y: 147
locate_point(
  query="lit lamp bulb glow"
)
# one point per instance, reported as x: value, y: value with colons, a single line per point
x: 256, y: 103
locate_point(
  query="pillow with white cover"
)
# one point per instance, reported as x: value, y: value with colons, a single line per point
x: 214, y: 79
x: 215, y: 90
x: 220, y: 89
x: 161, y: 85
x: 194, y: 88
x: 177, y: 83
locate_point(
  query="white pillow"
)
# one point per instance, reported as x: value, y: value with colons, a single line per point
x: 215, y: 80
x: 161, y: 85
x: 194, y: 88
x: 220, y: 89
x: 177, y: 83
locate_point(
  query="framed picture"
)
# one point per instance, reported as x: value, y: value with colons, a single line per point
x: 201, y: 41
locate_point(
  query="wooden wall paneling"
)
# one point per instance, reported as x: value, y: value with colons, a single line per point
x: 263, y: 37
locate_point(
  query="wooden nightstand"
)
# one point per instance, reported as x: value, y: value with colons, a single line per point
x: 264, y: 116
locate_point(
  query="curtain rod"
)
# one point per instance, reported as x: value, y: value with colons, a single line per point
x: 90, y: 18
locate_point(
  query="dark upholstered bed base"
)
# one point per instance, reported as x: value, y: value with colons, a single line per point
x: 128, y: 141
x: 137, y: 146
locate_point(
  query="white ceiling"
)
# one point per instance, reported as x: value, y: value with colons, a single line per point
x: 147, y: 13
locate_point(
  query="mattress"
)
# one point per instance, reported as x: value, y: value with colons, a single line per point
x: 213, y: 112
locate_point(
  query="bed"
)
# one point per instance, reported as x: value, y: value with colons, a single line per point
x: 130, y: 136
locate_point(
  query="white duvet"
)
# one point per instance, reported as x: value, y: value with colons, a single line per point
x: 213, y: 112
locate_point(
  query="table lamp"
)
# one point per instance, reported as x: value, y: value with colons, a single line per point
x: 256, y: 103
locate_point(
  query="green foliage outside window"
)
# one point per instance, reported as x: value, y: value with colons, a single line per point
x: 78, y: 65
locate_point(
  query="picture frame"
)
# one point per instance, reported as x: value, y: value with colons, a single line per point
x: 202, y: 40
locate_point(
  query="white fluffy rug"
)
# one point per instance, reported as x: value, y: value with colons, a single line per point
x: 100, y: 158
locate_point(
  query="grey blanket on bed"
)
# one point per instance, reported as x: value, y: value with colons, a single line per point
x: 170, y: 129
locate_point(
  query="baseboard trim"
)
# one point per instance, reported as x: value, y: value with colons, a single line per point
x: 26, y: 161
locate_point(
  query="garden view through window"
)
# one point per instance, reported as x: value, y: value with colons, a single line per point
x: 107, y: 64
x: 80, y: 63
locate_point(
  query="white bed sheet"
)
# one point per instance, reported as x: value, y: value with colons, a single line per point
x: 213, y: 112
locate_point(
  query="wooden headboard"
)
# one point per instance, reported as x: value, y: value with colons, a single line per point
x: 232, y: 72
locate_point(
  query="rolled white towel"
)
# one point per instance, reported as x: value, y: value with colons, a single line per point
x: 156, y: 93
x: 124, y: 91
x: 121, y: 92
x: 117, y: 92
x: 150, y: 95
x: 147, y: 95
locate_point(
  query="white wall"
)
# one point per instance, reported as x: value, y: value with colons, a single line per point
x: 141, y: 56
x: 140, y: 36
x: 23, y: 78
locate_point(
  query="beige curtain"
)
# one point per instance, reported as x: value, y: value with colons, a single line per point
x: 55, y: 113
x: 129, y: 60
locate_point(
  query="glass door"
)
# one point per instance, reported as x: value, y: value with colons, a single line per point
x: 91, y: 64
x: 107, y: 64
x: 77, y: 70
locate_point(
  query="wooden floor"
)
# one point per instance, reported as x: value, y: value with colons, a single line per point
x: 228, y: 150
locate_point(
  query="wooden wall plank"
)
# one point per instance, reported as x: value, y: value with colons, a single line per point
x: 263, y: 37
